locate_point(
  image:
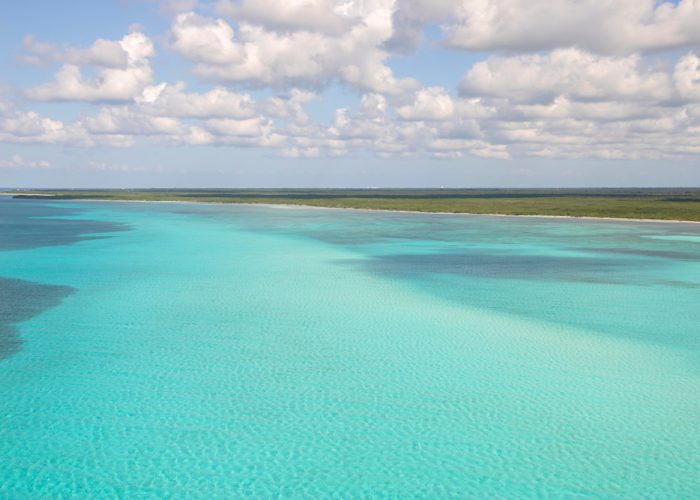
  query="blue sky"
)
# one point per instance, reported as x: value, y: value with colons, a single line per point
x: 326, y: 93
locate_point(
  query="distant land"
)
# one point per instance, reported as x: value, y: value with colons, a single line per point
x: 681, y: 204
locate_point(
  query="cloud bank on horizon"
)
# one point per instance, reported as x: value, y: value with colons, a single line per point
x: 559, y: 79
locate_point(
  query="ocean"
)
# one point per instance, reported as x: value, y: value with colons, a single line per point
x: 224, y: 351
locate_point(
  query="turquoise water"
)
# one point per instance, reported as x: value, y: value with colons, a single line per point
x: 181, y: 350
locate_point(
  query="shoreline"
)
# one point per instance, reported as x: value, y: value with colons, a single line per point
x: 471, y: 214
x: 385, y: 210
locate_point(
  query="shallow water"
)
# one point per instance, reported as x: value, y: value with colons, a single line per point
x: 220, y: 351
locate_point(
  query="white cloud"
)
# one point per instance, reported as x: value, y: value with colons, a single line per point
x: 128, y: 121
x: 29, y: 127
x: 170, y: 100
x: 606, y: 27
x: 290, y: 107
x: 204, y: 40
x: 258, y: 56
x: 111, y: 83
x: 571, y: 72
x: 16, y: 161
x: 324, y: 16
x: 410, y: 17
x: 374, y: 126
x: 687, y: 77
x: 106, y: 53
x: 370, y: 121
x: 432, y: 103
x: 554, y: 88
x: 252, y: 127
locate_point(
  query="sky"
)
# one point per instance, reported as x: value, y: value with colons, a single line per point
x: 349, y: 93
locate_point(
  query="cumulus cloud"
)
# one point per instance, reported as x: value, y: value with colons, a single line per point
x: 228, y: 127
x: 549, y: 86
x: 115, y: 80
x: 572, y: 72
x: 374, y: 126
x: 29, y: 127
x: 686, y: 77
x: 324, y: 16
x: 290, y: 106
x: 605, y: 27
x: 171, y: 100
x: 260, y: 56
x: 572, y: 104
x: 432, y: 103
x: 128, y: 121
x: 409, y: 19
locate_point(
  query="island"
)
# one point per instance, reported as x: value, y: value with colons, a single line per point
x: 680, y: 204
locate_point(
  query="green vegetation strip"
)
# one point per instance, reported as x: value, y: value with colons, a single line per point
x: 661, y: 204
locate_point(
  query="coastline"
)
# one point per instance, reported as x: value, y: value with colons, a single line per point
x: 386, y: 210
